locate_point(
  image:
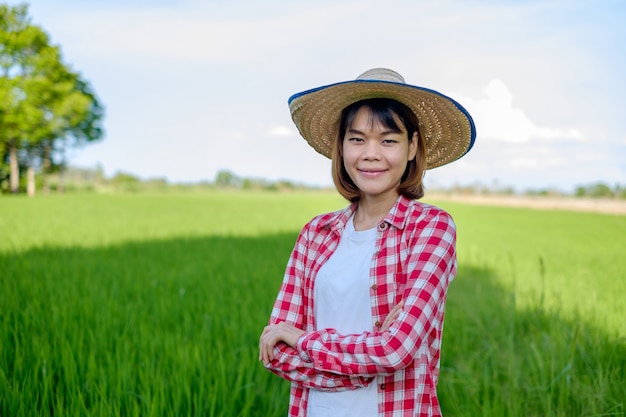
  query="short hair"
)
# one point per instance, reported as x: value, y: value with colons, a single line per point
x: 387, y: 112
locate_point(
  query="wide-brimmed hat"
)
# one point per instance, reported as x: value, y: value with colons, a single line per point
x: 446, y: 127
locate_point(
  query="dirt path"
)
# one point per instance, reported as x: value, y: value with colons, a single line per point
x: 606, y: 206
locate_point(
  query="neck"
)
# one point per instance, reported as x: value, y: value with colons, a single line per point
x: 370, y: 212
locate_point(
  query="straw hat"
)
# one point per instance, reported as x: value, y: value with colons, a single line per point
x: 446, y: 127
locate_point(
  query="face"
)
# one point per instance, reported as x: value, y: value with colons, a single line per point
x: 376, y: 157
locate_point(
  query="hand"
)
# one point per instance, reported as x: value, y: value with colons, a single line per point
x: 393, y: 314
x: 273, y: 334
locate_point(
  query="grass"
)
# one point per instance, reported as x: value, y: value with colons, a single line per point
x: 151, y: 305
x: 568, y: 261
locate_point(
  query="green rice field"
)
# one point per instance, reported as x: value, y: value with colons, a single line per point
x: 152, y: 304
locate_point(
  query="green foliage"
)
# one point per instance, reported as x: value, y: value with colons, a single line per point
x: 600, y: 190
x: 152, y: 304
x: 125, y: 182
x: 44, y: 106
x: 227, y: 179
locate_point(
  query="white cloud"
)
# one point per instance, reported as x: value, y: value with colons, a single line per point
x: 537, y: 162
x: 280, y: 131
x: 194, y: 34
x: 497, y: 118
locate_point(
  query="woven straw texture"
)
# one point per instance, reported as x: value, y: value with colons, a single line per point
x: 446, y: 127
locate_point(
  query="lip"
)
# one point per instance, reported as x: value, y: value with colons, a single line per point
x: 372, y: 173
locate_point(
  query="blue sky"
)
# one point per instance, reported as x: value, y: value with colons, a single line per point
x: 193, y: 87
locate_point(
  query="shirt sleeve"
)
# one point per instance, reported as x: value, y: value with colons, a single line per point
x: 430, y: 266
x: 290, y: 307
x: 289, y: 365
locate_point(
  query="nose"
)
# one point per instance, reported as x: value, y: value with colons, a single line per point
x: 371, y: 151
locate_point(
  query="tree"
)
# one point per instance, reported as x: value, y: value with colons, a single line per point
x: 225, y: 178
x: 44, y: 106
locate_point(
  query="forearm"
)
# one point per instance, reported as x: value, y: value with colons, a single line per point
x: 277, y: 351
x: 288, y: 364
x: 365, y: 355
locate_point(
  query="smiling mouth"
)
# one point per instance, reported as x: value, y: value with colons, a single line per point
x: 372, y: 172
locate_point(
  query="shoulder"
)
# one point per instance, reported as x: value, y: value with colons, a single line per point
x: 428, y: 228
x: 417, y: 211
x: 431, y: 211
x: 329, y: 221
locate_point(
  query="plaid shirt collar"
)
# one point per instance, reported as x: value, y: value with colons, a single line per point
x: 337, y: 221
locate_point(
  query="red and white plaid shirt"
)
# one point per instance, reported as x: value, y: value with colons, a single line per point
x: 414, y: 261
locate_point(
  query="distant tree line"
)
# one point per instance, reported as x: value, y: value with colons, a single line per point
x: 601, y: 190
x: 592, y: 190
x: 94, y: 180
x: 228, y: 179
x: 45, y: 107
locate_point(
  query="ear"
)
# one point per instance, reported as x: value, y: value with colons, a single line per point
x: 413, y: 146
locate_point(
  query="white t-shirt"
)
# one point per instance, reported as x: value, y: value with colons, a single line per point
x: 342, y: 302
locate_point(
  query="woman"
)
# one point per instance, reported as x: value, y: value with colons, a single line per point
x: 358, y: 321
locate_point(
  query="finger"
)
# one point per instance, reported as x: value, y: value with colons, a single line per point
x: 260, y: 351
x: 393, y: 314
x: 263, y: 347
x: 265, y: 357
x: 397, y: 309
x: 267, y: 342
x: 263, y: 353
x: 262, y: 344
x: 269, y: 354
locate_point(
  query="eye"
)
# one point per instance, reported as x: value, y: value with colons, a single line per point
x: 389, y: 141
x: 355, y: 139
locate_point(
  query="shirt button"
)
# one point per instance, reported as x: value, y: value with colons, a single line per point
x: 377, y: 324
x: 382, y: 226
x: 375, y: 287
x: 383, y: 386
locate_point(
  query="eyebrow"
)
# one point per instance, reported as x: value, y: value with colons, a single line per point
x: 358, y: 132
